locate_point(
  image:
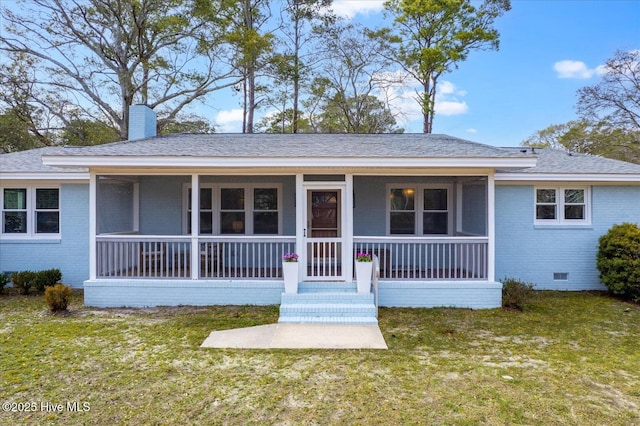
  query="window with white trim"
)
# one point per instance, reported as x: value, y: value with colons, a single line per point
x: 31, y: 212
x: 419, y: 209
x: 206, y: 211
x: 236, y: 209
x: 562, y: 205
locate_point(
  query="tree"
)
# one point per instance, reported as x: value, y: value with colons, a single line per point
x: 22, y: 115
x: 186, y: 124
x: 283, y: 123
x: 585, y: 137
x: 362, y: 114
x: 434, y: 36
x: 300, y: 19
x: 352, y: 84
x: 252, y: 48
x: 98, y: 57
x: 609, y: 123
x: 82, y: 132
x: 15, y: 134
x: 615, y: 99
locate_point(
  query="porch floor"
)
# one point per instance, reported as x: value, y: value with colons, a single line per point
x: 276, y: 273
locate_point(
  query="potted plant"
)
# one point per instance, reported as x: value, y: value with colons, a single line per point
x: 290, y: 272
x: 364, y: 271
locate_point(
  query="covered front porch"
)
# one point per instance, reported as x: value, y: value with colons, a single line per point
x: 432, y: 235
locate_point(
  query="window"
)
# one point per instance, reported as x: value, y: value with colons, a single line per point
x: 236, y: 210
x: 265, y: 211
x: 206, y: 211
x: 435, y: 215
x: 232, y: 211
x: 562, y: 206
x: 419, y: 209
x: 31, y: 212
x: 402, y: 215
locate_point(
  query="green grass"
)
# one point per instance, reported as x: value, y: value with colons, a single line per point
x: 571, y: 358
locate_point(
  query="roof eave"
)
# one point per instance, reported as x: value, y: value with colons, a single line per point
x: 568, y: 177
x: 57, y: 175
x: 280, y: 162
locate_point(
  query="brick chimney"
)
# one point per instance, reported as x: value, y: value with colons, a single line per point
x: 142, y: 122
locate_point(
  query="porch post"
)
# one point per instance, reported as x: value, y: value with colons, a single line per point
x: 301, y: 224
x: 195, y: 226
x: 491, y: 229
x: 347, y: 256
x: 93, y: 218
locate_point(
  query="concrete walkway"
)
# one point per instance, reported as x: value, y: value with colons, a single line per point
x: 298, y: 336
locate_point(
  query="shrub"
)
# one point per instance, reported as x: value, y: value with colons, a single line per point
x: 515, y: 293
x: 618, y: 260
x: 46, y: 278
x: 4, y: 279
x: 58, y: 297
x: 23, y: 281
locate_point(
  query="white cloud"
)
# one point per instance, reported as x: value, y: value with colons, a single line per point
x: 576, y: 69
x: 448, y: 99
x: 229, y: 121
x: 472, y: 130
x: 229, y: 116
x: 402, y: 94
x: 451, y: 107
x: 350, y: 8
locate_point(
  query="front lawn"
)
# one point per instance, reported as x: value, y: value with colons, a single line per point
x: 572, y: 358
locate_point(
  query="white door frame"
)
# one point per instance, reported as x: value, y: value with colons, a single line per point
x: 345, y: 228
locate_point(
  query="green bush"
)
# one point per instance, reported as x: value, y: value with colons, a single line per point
x: 46, y: 278
x: 58, y: 297
x: 23, y: 281
x: 515, y: 293
x: 618, y: 260
x: 4, y: 279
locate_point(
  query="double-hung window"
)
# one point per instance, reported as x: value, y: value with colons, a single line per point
x: 419, y: 209
x: 31, y: 212
x: 237, y: 209
x: 562, y: 205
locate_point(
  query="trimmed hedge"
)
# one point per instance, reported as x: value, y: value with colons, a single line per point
x: 618, y: 260
x: 47, y: 278
x: 23, y: 281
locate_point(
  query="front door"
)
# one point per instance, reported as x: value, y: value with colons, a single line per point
x: 323, y: 234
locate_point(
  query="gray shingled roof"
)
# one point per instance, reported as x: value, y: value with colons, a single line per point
x: 31, y: 161
x: 550, y: 161
x: 557, y: 161
x: 300, y: 145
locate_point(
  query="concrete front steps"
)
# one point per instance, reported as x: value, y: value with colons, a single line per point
x: 328, y: 303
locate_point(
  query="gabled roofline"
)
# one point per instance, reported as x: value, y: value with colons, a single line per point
x: 297, y: 162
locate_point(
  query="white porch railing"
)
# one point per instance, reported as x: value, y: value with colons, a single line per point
x: 455, y: 258
x: 143, y: 256
x: 243, y: 257
x: 324, y: 258
x: 260, y: 257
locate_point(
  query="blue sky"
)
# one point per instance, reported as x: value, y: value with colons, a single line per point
x: 548, y: 50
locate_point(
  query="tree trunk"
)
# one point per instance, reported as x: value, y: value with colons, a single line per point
x: 296, y: 72
x: 251, y: 101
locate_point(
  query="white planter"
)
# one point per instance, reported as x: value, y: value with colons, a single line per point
x: 363, y: 276
x: 290, y: 274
